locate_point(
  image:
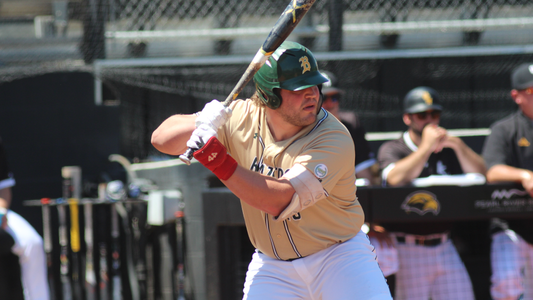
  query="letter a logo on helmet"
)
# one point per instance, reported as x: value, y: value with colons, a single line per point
x: 291, y: 67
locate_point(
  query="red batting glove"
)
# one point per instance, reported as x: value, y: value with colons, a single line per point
x: 214, y: 156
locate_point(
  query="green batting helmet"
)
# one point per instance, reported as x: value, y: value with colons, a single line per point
x: 291, y: 67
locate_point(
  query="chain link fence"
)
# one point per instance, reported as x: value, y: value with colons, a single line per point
x: 33, y: 31
x: 157, y: 57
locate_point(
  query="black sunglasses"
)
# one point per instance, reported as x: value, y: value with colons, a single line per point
x: 435, y: 114
x: 334, y: 98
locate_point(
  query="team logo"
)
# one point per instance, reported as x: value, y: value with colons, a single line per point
x: 523, y: 142
x: 321, y: 171
x: 427, y: 98
x: 306, y: 66
x: 421, y: 202
x: 507, y: 194
x: 212, y: 156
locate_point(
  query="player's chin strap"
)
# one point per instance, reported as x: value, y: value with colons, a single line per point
x: 308, y: 191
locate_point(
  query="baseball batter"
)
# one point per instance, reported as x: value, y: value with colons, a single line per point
x: 429, y: 265
x: 292, y: 166
x: 26, y: 242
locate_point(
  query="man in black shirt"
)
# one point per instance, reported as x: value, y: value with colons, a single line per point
x: 509, y: 157
x: 429, y: 265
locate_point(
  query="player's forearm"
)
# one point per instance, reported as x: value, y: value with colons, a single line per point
x: 408, y: 168
x: 470, y: 161
x: 265, y: 193
x: 172, y: 135
x: 5, y: 197
x: 507, y: 173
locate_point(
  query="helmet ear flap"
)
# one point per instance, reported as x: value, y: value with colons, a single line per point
x: 271, y: 100
x: 275, y: 101
x: 321, y: 98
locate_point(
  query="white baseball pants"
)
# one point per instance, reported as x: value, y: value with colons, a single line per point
x: 29, y: 248
x: 512, y: 267
x: 343, y: 271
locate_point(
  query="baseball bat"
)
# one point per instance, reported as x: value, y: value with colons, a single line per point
x: 103, y: 285
x: 115, y: 235
x: 286, y: 23
x: 75, y: 246
x: 90, y: 276
x: 180, y: 255
x: 72, y: 193
x: 47, y: 237
x: 104, y: 276
x: 63, y: 256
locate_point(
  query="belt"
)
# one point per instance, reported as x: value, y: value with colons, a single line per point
x: 290, y: 259
x: 421, y: 240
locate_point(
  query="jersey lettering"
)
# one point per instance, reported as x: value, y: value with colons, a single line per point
x: 297, y: 217
x: 270, y: 171
x: 256, y: 166
x: 259, y: 167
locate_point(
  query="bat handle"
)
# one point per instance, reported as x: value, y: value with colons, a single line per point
x: 187, y: 156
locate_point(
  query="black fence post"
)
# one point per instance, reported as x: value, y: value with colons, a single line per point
x: 335, y: 25
x: 93, y: 43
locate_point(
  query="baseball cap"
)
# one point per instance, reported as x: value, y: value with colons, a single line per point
x: 420, y: 99
x: 328, y: 87
x: 522, y: 77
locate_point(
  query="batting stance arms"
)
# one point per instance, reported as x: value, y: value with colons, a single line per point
x: 292, y: 166
x: 265, y: 193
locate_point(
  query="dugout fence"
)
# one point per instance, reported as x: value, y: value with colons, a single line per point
x: 474, y: 85
x: 154, y: 58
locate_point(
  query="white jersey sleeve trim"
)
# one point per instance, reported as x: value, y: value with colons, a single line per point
x: 308, y: 191
x: 9, y: 182
x: 365, y: 164
x: 385, y: 173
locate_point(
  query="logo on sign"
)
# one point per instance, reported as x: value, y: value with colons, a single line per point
x: 421, y: 202
x: 507, y: 194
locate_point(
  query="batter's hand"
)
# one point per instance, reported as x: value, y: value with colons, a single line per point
x: 214, y: 114
x: 200, y: 136
x: 213, y: 155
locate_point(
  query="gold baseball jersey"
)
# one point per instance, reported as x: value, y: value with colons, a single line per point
x: 326, y: 149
